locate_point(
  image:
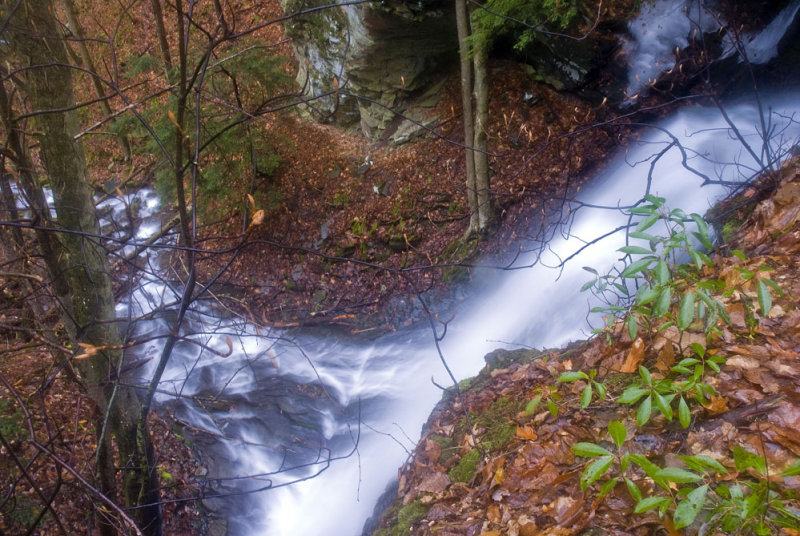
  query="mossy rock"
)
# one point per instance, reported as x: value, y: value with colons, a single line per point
x: 460, y: 250
x: 502, y: 358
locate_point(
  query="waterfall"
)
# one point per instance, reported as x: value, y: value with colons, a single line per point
x: 302, y: 430
x: 666, y: 25
x: 344, y: 412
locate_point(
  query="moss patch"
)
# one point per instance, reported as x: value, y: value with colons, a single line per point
x: 447, y: 444
x: 404, y: 518
x: 465, y: 469
x: 499, y: 431
x: 458, y: 251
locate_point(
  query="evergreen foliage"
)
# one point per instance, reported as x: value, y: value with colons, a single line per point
x: 239, y: 85
x: 522, y: 19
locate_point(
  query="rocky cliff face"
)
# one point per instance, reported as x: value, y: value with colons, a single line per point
x: 393, y: 54
x: 388, y: 54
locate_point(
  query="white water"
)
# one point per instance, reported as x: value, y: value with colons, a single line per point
x: 664, y: 25
x: 269, y: 420
x: 268, y: 423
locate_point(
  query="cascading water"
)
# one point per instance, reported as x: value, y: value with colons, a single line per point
x: 283, y: 406
x: 666, y: 25
x: 302, y: 430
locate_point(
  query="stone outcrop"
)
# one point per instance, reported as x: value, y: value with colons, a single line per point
x: 388, y: 54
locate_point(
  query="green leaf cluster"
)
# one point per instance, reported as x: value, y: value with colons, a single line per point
x: 662, y: 284
x: 521, y: 19
x: 741, y: 507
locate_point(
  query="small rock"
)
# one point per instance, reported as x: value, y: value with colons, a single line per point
x: 297, y: 273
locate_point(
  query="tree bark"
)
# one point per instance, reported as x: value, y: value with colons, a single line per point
x: 74, y: 26
x: 180, y: 122
x: 474, y: 79
x: 480, y: 145
x: 88, y: 308
x: 462, y: 22
x: 161, y: 32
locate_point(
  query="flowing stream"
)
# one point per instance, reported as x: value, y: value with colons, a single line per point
x: 334, y: 416
x: 302, y: 430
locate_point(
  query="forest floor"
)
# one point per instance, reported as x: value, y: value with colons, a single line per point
x: 362, y: 227
x: 516, y: 473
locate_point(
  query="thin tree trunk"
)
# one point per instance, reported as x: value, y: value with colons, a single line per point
x: 75, y: 27
x: 88, y: 309
x: 462, y: 21
x: 180, y: 135
x: 161, y: 32
x: 485, y: 209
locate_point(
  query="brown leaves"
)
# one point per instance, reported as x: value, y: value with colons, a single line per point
x: 635, y: 357
x: 526, y: 432
x: 717, y: 405
x: 666, y: 358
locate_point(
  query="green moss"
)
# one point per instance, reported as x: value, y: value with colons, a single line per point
x: 498, y: 435
x: 729, y: 229
x: 458, y: 251
x: 463, y: 385
x: 404, y: 518
x: 500, y: 410
x: 465, y: 469
x: 499, y: 430
x: 447, y: 444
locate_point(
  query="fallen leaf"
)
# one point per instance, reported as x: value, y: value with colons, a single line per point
x: 258, y: 219
x: 493, y: 514
x: 666, y: 358
x: 499, y: 475
x: 741, y: 362
x: 527, y: 432
x: 670, y: 527
x: 717, y: 405
x: 635, y: 357
x: 435, y: 483
x: 433, y: 450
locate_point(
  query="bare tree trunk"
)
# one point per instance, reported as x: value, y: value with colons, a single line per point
x: 37, y: 204
x: 161, y: 32
x: 180, y: 147
x: 462, y: 21
x: 480, y: 145
x: 88, y: 307
x: 86, y: 58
